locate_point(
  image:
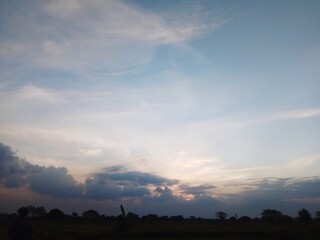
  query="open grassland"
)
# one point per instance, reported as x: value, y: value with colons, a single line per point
x: 69, y: 230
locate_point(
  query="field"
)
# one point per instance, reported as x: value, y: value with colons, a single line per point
x: 72, y: 230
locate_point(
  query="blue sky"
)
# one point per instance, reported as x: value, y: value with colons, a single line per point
x: 189, y: 103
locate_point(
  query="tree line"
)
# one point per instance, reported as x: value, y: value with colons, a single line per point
x: 271, y: 216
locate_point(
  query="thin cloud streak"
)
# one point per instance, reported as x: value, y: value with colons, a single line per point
x: 293, y: 114
x: 97, y: 36
x: 304, y: 162
x: 194, y: 164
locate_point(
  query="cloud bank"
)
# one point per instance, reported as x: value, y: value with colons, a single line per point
x: 114, y: 183
x: 109, y: 183
x: 16, y: 172
x: 146, y: 192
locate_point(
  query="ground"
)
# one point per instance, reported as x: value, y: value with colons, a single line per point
x: 72, y: 230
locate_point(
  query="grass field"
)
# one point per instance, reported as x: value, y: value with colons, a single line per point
x: 167, y: 230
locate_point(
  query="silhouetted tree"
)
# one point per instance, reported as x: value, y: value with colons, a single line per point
x: 38, y: 212
x: 244, y: 219
x: 221, y: 216
x: 21, y: 229
x: 318, y: 214
x: 304, y: 216
x: 271, y: 215
x: 55, y: 214
x: 74, y: 214
x: 178, y: 218
x: 150, y: 218
x: 164, y: 218
x: 132, y: 216
x: 90, y: 214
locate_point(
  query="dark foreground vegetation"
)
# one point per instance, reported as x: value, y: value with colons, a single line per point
x: 91, y: 225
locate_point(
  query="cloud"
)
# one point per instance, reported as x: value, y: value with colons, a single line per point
x: 109, y: 183
x: 115, y: 182
x: 118, y: 173
x: 91, y: 152
x: 147, y: 192
x: 305, y: 188
x: 196, y: 190
x: 283, y: 188
x: 287, y: 194
x: 288, y: 115
x: 34, y: 93
x: 165, y: 194
x: 167, y: 203
x: 29, y: 96
x: 56, y: 182
x: 98, y: 190
x: 9, y: 161
x: 131, y: 23
x: 105, y: 37
x: 16, y: 172
x: 304, y: 162
x: 12, y: 168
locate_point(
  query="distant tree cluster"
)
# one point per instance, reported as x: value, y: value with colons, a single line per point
x: 268, y: 216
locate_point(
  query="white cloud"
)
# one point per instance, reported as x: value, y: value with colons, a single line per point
x: 304, y: 162
x: 100, y: 36
x: 31, y: 92
x: 294, y: 114
x: 91, y: 152
x: 63, y: 8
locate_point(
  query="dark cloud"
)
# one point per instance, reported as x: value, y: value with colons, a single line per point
x: 286, y: 194
x: 164, y: 190
x: 108, y: 189
x: 11, y: 167
x: 110, y: 183
x: 285, y: 188
x: 146, y: 193
x: 56, y: 182
x: 115, y: 182
x: 167, y: 203
x: 306, y: 187
x: 16, y: 172
x: 119, y: 174
x: 196, y: 190
x: 165, y: 194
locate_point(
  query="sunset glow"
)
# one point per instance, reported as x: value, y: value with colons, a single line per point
x: 172, y: 107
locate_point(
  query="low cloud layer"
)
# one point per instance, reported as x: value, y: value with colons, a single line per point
x: 109, y: 183
x: 195, y: 190
x: 16, y: 172
x: 114, y: 182
x: 285, y: 194
x: 150, y: 193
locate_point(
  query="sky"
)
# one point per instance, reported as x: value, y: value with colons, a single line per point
x: 167, y: 107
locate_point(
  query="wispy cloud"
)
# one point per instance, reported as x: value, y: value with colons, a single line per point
x: 32, y: 93
x: 293, y: 114
x: 100, y: 36
x: 304, y: 162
